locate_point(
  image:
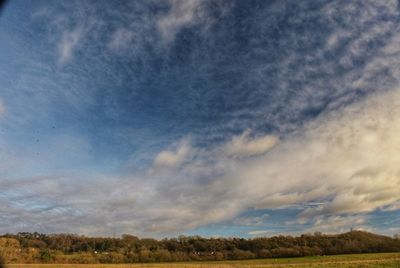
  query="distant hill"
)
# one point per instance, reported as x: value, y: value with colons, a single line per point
x: 69, y: 248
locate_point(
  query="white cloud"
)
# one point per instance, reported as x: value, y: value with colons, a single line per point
x: 345, y: 163
x: 120, y: 39
x: 181, y: 13
x: 69, y: 42
x: 338, y: 224
x: 243, y: 145
x: 259, y: 232
x: 347, y: 158
x: 172, y: 159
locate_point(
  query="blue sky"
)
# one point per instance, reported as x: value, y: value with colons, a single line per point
x: 217, y: 118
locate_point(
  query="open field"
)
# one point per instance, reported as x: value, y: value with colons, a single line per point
x: 378, y: 260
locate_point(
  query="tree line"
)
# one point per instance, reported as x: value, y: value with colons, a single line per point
x: 68, y: 248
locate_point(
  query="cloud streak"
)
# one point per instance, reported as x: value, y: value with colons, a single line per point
x: 68, y: 43
x: 181, y: 14
x: 243, y: 145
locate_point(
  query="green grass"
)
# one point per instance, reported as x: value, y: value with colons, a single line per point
x: 378, y: 260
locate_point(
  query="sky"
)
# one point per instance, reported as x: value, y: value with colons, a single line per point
x: 199, y: 117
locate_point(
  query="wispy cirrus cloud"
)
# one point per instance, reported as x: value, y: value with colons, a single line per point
x: 121, y: 39
x: 181, y: 13
x: 243, y: 145
x: 68, y: 43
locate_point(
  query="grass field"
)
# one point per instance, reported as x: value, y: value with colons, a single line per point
x: 346, y: 261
